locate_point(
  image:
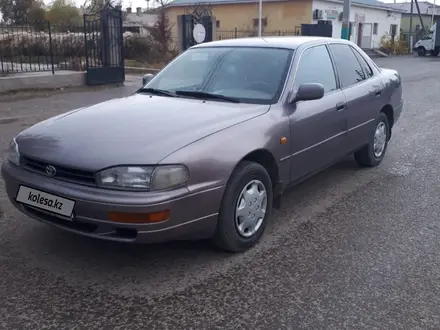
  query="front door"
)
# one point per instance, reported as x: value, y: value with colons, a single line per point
x: 367, y: 34
x: 194, y: 30
x: 318, y: 127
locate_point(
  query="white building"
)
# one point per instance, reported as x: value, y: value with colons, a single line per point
x: 369, y: 20
x: 138, y: 22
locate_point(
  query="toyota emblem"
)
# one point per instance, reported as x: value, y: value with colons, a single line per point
x: 50, y: 170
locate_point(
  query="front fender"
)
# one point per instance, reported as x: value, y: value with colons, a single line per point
x: 212, y: 159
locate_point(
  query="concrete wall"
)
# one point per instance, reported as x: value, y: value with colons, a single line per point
x: 43, y: 80
x: 371, y: 38
x: 281, y: 15
x: 404, y: 24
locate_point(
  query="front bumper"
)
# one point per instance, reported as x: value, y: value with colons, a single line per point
x: 192, y: 216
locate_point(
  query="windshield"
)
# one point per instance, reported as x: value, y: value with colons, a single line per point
x: 428, y: 36
x: 248, y: 74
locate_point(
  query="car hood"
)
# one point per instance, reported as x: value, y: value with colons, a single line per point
x: 139, y: 129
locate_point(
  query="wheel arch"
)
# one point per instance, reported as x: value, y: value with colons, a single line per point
x: 266, y: 159
x: 419, y: 49
x: 389, y: 112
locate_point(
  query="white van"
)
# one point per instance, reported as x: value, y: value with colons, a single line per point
x: 428, y: 44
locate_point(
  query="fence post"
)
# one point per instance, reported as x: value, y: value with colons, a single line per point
x: 235, y: 35
x: 50, y: 47
x: 279, y: 32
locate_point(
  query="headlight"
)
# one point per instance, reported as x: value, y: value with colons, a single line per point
x: 13, y: 153
x: 165, y: 177
x: 143, y: 177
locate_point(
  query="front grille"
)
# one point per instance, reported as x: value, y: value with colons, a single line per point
x: 62, y: 172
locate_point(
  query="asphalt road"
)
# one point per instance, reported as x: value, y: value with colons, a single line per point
x: 351, y: 248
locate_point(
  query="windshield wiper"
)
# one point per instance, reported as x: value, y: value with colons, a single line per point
x: 206, y: 95
x: 156, y: 91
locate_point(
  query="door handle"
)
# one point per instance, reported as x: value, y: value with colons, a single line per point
x: 377, y: 92
x: 340, y: 106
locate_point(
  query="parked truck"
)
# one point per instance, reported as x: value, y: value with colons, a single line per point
x: 430, y: 43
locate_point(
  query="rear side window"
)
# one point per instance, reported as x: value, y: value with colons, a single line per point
x: 364, y: 64
x: 350, y: 71
x: 316, y: 67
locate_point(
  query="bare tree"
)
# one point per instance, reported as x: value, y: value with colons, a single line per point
x: 92, y: 6
x: 200, y: 11
x: 161, y: 31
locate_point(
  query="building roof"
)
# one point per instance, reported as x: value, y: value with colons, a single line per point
x: 363, y: 3
x: 425, y: 7
x: 142, y: 19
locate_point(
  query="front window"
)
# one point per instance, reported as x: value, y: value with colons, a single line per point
x: 248, y: 74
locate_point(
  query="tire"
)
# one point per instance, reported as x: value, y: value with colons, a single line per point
x: 367, y: 156
x: 421, y: 51
x: 227, y: 236
x: 434, y: 53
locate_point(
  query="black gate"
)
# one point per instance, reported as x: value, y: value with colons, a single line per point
x: 317, y: 30
x: 104, y: 46
x: 188, y: 22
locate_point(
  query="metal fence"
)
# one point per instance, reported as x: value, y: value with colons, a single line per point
x: 416, y: 36
x: 232, y: 34
x: 40, y: 47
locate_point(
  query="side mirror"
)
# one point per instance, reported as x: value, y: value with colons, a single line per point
x: 146, y: 78
x: 308, y: 92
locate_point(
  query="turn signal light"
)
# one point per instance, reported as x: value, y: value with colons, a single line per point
x: 153, y: 217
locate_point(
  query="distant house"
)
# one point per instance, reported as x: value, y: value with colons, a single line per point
x: 426, y: 10
x: 369, y: 19
x: 138, y: 22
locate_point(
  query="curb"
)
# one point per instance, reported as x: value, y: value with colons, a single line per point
x: 31, y: 93
x: 8, y: 120
x: 141, y: 71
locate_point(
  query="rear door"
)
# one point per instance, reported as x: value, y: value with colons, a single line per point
x: 362, y: 90
x: 318, y: 127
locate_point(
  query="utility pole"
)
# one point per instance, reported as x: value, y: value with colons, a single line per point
x: 420, y: 16
x: 260, y: 17
x: 411, y: 27
x: 345, y: 32
x: 432, y: 18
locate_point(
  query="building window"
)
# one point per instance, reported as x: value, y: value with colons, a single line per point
x: 417, y: 26
x: 393, y: 30
x: 263, y: 21
x: 375, y: 28
x: 217, y: 24
x: 322, y: 21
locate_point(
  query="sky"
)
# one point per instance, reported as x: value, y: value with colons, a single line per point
x: 143, y: 3
x: 125, y: 3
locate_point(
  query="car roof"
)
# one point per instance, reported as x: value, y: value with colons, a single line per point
x: 289, y: 42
